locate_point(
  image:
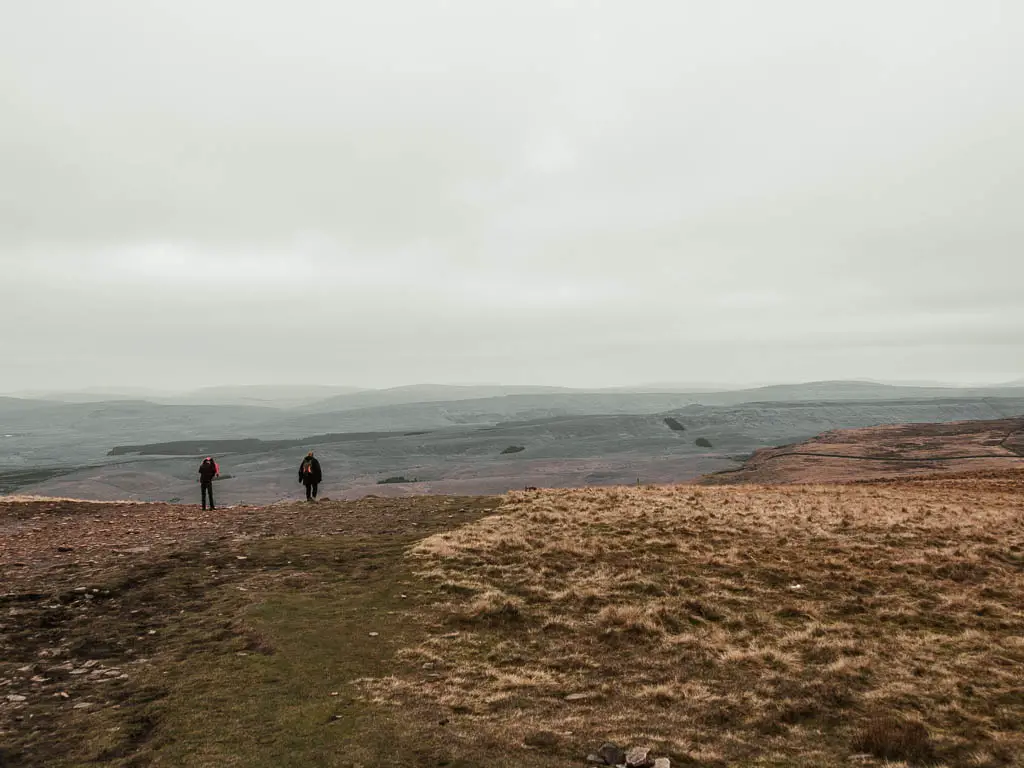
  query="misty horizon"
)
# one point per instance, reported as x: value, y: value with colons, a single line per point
x: 333, y: 388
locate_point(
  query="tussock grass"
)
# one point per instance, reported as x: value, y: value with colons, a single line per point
x: 492, y: 607
x: 894, y: 738
x: 802, y: 626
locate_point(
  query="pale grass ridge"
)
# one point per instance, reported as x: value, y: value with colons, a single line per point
x: 734, y: 625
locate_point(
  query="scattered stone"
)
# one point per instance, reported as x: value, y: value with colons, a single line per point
x: 579, y: 696
x: 375, y: 634
x: 662, y: 762
x: 449, y: 636
x: 639, y: 757
x: 90, y: 664
x: 16, y: 697
x: 612, y: 754
x: 83, y: 705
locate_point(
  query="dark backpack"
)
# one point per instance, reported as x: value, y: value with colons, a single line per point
x: 207, y: 470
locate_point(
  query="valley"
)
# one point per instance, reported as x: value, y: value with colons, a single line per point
x: 140, y: 450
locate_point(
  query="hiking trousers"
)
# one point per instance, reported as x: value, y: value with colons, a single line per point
x: 311, y: 491
x: 207, y: 490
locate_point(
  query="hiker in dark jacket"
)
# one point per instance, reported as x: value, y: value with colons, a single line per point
x: 207, y: 471
x: 310, y: 475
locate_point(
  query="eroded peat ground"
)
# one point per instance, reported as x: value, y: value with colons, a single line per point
x: 730, y: 626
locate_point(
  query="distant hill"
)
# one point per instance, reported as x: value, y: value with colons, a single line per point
x: 13, y: 405
x: 93, y: 394
x: 267, y: 395
x: 425, y: 393
x: 330, y: 399
x: 560, y: 401
x: 849, y: 390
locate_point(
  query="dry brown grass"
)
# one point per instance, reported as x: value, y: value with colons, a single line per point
x: 802, y: 625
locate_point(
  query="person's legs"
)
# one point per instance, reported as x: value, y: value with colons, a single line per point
x: 315, y: 486
x: 204, y: 487
x: 309, y: 492
x: 210, y: 489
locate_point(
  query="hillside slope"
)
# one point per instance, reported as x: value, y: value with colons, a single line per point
x: 896, y: 450
x: 809, y: 626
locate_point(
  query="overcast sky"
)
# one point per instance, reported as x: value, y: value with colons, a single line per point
x: 199, y: 192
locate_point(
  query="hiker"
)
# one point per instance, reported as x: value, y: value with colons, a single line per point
x: 207, y: 471
x: 310, y: 475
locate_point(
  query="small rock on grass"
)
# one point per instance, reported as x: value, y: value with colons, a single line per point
x: 638, y: 757
x: 611, y: 754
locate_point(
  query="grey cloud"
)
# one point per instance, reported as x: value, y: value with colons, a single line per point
x: 444, y: 189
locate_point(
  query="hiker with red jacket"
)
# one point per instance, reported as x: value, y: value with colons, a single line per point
x: 310, y: 475
x: 207, y: 471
